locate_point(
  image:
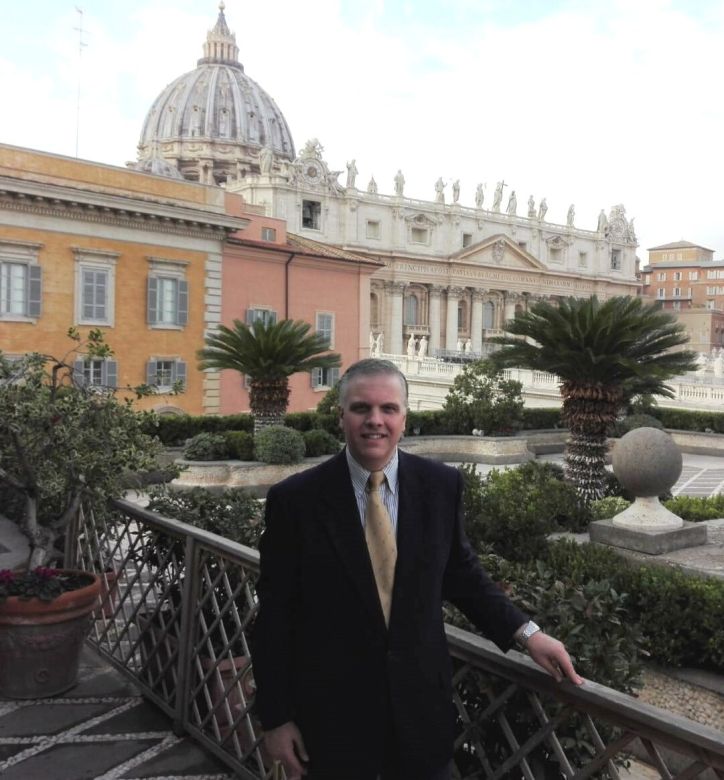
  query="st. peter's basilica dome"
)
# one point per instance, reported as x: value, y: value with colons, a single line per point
x: 213, y: 122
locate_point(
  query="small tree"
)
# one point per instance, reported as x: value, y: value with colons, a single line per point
x: 481, y: 397
x: 268, y: 354
x: 62, y: 444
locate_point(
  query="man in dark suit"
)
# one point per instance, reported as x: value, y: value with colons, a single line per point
x: 353, y: 678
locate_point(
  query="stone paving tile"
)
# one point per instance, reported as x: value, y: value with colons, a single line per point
x: 55, y: 716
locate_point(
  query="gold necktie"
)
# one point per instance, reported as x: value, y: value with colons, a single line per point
x: 380, y: 541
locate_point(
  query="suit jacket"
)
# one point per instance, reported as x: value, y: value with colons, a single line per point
x: 323, y: 656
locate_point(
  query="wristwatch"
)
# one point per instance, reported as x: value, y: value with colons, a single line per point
x: 523, y: 636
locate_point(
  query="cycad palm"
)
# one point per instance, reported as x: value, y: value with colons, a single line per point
x: 604, y: 353
x: 268, y: 354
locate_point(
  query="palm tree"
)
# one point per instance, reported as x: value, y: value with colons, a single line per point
x: 268, y: 354
x: 604, y: 353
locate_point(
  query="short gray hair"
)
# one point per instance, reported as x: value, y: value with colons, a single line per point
x: 370, y: 367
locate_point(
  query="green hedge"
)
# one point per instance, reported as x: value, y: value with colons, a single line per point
x: 312, y: 421
x: 174, y: 430
x: 687, y: 420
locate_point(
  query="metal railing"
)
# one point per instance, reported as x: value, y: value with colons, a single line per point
x: 176, y: 615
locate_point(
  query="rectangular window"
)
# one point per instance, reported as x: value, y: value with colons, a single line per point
x: 325, y: 327
x: 268, y: 234
x: 96, y: 373
x: 615, y: 259
x: 467, y: 239
x: 523, y: 245
x: 266, y: 316
x: 555, y: 255
x: 677, y: 276
x: 720, y: 274
x: 711, y: 290
x: 419, y: 235
x: 373, y: 228
x: 711, y: 274
x: 582, y: 259
x: 710, y: 305
x: 324, y: 378
x: 312, y: 214
x: 168, y: 301
x: 20, y: 289
x: 677, y: 305
x: 660, y: 277
x: 677, y: 292
x: 661, y: 293
x: 164, y: 373
x: 693, y: 275
x: 94, y: 294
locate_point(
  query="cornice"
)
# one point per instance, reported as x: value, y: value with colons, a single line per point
x: 68, y: 203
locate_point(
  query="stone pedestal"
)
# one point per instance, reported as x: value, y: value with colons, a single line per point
x: 651, y: 542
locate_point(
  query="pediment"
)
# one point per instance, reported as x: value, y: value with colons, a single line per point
x: 500, y: 251
x: 420, y: 219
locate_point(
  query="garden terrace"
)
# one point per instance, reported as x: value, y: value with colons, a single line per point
x: 178, y: 620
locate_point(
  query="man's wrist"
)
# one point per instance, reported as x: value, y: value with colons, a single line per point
x: 524, y: 633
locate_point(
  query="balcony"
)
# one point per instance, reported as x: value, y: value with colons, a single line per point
x: 176, y: 621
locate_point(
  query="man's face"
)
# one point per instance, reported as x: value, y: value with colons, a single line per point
x: 373, y: 418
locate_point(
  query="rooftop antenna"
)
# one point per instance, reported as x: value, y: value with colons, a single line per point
x: 81, y: 45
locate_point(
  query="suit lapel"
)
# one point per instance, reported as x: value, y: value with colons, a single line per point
x: 344, y: 527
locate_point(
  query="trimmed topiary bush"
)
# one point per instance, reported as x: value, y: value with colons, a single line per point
x: 318, y: 442
x: 207, y: 446
x: 240, y: 444
x: 633, y: 421
x: 279, y: 445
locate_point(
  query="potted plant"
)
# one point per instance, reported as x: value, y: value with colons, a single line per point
x: 63, y: 444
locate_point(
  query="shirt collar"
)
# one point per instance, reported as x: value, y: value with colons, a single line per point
x: 360, y: 475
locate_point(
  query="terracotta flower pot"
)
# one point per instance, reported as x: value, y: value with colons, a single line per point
x: 40, y: 641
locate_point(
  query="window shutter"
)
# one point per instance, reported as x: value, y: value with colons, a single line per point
x: 182, y: 314
x: 333, y: 376
x: 250, y: 316
x: 34, y: 290
x: 151, y: 372
x: 152, y: 312
x: 78, y: 374
x: 180, y: 372
x: 316, y: 377
x: 110, y: 373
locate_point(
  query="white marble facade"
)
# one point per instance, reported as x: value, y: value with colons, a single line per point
x: 454, y: 273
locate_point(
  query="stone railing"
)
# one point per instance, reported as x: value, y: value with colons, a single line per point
x: 175, y: 616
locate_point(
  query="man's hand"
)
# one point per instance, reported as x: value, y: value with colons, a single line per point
x: 285, y: 744
x: 551, y: 655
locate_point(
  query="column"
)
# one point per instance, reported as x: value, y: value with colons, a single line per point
x: 451, y: 327
x: 434, y: 318
x: 394, y: 336
x: 509, y: 310
x: 476, y: 322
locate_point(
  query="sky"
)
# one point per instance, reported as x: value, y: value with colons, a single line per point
x: 579, y: 101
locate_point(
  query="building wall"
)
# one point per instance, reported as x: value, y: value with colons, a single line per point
x: 262, y: 277
x: 66, y: 213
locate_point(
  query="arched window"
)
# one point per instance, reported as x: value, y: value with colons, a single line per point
x: 488, y: 315
x: 411, y: 310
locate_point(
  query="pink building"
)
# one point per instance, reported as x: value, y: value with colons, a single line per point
x: 270, y: 274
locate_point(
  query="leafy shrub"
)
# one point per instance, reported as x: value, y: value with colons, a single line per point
x: 608, y: 507
x: 541, y: 419
x: 696, y: 508
x: 330, y: 403
x: 482, y: 398
x: 430, y: 423
x: 689, y: 420
x: 207, y: 446
x: 278, y: 444
x: 174, y: 429
x: 633, y: 421
x: 233, y: 514
x: 309, y: 421
x: 240, y: 444
x: 319, y: 442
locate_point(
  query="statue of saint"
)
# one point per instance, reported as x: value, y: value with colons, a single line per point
x: 440, y: 190
x: 498, y: 197
x: 266, y: 155
x: 411, y: 346
x: 571, y: 215
x: 468, y: 347
x: 351, y: 174
x: 372, y: 186
x: 479, y: 196
x: 542, y: 209
x: 372, y: 343
x: 460, y: 346
x: 422, y: 350
x: 602, y: 222
x: 512, y: 204
x: 399, y: 184
x: 456, y: 190
x: 531, y: 207
x: 380, y: 343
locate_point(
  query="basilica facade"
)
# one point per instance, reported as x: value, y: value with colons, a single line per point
x: 450, y: 274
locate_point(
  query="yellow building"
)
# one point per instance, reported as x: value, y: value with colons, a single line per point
x: 138, y: 256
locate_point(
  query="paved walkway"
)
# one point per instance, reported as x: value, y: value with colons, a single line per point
x: 102, y: 730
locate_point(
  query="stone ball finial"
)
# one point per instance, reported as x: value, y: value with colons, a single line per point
x: 647, y: 462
